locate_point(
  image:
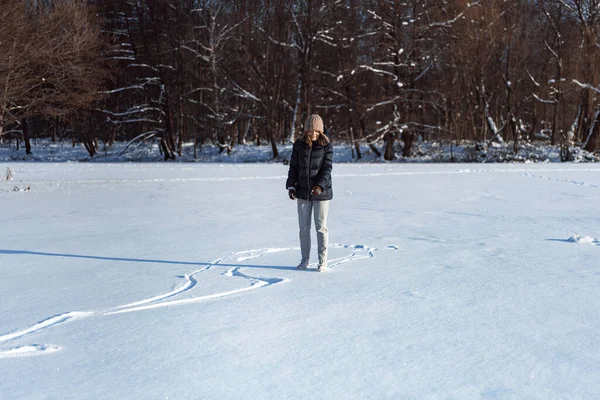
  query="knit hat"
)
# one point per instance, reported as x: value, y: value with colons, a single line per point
x: 314, y: 123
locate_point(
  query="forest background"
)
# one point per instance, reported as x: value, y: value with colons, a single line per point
x: 382, y: 73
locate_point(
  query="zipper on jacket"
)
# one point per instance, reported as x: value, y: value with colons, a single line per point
x: 308, y: 175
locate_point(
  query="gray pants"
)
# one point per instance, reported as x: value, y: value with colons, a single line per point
x: 321, y: 209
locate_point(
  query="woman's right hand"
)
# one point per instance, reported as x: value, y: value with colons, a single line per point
x: 292, y: 194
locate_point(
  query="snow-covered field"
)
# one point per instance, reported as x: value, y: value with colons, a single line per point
x: 156, y: 281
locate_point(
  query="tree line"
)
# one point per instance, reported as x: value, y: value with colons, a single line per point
x: 381, y: 73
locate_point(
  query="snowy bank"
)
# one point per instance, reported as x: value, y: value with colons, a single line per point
x: 423, y: 152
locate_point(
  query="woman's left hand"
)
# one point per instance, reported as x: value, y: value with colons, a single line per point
x: 316, y: 190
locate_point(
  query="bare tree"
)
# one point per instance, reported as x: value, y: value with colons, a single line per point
x: 587, y: 15
x: 380, y: 72
x: 53, y: 64
x: 555, y: 49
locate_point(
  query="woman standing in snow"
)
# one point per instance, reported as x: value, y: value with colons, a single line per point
x: 309, y: 182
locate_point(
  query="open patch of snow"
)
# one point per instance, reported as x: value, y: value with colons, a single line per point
x: 445, y: 281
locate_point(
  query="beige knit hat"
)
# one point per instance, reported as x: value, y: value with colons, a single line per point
x: 314, y: 123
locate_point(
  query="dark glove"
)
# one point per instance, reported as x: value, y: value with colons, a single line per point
x: 316, y: 190
x: 292, y: 194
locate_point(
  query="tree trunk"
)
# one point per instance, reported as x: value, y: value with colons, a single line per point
x: 55, y: 129
x: 167, y: 149
x: 256, y: 134
x: 389, y: 146
x: 167, y: 142
x: 584, y: 122
x: 292, y: 133
x: 273, y: 144
x: 90, y: 142
x: 113, y: 135
x: 195, y: 144
x: 363, y: 134
x: 587, y: 95
x: 408, y: 138
x: 240, y: 136
x: 25, y: 127
x: 352, y: 108
x: 353, y: 142
x: 593, y: 141
x: 557, y: 93
x: 181, y: 128
x: 554, y: 123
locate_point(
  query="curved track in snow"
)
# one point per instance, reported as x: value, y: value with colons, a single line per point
x: 46, y: 323
x: 189, y: 284
x: 357, y: 252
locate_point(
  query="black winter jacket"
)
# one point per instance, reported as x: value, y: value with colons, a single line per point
x: 310, y: 167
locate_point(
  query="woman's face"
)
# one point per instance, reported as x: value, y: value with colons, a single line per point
x: 312, y: 135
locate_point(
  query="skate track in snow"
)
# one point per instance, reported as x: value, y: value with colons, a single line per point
x: 356, y: 252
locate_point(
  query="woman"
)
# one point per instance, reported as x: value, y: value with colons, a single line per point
x: 309, y: 182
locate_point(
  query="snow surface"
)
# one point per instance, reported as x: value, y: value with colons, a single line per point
x: 173, y: 280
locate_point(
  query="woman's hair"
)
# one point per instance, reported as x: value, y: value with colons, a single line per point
x: 322, y: 139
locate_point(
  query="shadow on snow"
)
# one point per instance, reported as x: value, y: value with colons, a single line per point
x: 140, y: 260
